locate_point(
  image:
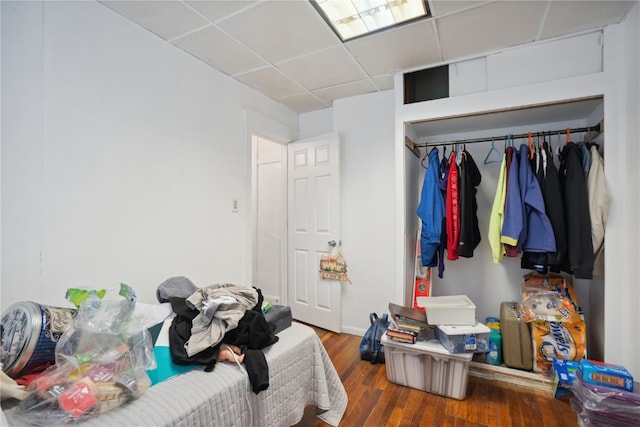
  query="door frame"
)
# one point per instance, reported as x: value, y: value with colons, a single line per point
x: 281, y: 298
x: 259, y: 125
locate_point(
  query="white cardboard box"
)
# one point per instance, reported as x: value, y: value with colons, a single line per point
x: 449, y: 310
x: 427, y: 366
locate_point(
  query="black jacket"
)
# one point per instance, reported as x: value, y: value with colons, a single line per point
x: 576, y: 213
x: 469, y: 230
x: 252, y: 334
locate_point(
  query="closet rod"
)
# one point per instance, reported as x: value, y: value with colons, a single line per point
x: 595, y: 128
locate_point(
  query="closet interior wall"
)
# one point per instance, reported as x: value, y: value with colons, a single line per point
x: 486, y: 283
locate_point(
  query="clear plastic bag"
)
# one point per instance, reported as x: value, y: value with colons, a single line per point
x: 548, y: 306
x: 101, y: 363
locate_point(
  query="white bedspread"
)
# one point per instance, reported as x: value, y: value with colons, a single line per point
x: 300, y: 373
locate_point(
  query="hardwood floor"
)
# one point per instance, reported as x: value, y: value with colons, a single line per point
x: 374, y: 401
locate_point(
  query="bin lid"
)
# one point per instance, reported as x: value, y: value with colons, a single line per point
x: 479, y: 328
x: 448, y: 302
x: 431, y: 346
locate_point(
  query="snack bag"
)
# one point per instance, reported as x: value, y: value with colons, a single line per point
x: 101, y: 362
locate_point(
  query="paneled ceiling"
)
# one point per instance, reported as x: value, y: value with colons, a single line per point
x: 285, y: 50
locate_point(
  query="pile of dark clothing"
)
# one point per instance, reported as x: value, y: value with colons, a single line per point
x: 218, y: 322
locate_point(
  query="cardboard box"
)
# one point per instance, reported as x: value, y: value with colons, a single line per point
x: 563, y: 376
x: 606, y: 374
x: 427, y: 366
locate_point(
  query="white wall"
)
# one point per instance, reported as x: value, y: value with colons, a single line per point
x: 365, y: 125
x: 622, y: 113
x: 120, y: 157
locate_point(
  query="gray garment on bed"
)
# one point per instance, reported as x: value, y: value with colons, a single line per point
x: 207, y: 333
x: 180, y: 287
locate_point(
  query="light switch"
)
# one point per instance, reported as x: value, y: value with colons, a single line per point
x: 234, y: 206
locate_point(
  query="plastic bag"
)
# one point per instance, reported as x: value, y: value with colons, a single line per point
x: 548, y: 306
x: 101, y: 363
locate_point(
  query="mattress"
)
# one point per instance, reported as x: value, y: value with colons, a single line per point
x: 300, y: 374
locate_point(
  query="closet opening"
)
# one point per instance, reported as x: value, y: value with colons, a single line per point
x: 484, y: 136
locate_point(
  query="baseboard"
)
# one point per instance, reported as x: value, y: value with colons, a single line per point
x: 530, y: 380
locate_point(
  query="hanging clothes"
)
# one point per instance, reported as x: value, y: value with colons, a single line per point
x: 431, y: 211
x: 547, y: 177
x: 536, y: 234
x: 444, y: 179
x: 586, y: 158
x: 453, y: 210
x: 513, y: 212
x: 554, y: 208
x: 510, y: 250
x: 576, y: 209
x: 497, y: 214
x: 599, y: 200
x: 537, y: 237
x: 469, y: 179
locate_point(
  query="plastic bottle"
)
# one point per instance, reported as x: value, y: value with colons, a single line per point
x: 494, y: 356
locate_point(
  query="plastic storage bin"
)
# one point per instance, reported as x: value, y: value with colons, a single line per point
x: 427, y: 366
x: 464, y: 339
x: 449, y: 310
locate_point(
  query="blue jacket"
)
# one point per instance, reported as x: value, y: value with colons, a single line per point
x: 537, y: 233
x: 431, y: 211
x: 513, y: 209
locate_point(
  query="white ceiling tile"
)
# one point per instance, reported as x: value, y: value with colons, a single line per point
x: 569, y: 16
x: 303, y: 103
x: 271, y: 82
x: 397, y: 49
x: 218, y: 9
x: 168, y: 19
x: 281, y: 30
x: 489, y: 27
x: 384, y: 82
x: 220, y: 51
x: 445, y: 7
x: 322, y: 69
x: 346, y: 90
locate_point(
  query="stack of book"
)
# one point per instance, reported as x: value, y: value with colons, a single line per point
x: 398, y: 334
x: 407, y: 324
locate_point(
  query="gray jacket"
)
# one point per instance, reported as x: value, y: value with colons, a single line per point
x: 221, y: 307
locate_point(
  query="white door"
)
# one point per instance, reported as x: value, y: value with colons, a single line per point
x: 314, y: 221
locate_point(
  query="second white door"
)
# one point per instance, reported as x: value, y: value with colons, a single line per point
x: 314, y: 221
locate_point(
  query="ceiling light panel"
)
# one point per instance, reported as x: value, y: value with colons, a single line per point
x: 354, y: 18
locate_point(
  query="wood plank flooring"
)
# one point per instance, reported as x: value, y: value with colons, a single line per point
x: 374, y: 401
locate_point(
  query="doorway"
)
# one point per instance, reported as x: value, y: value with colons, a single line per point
x: 269, y: 218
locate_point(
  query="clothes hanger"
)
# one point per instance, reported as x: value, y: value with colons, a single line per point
x: 423, y: 159
x: 492, y: 150
x: 531, y: 152
x: 568, y: 140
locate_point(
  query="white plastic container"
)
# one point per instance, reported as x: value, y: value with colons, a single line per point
x: 449, y: 310
x: 427, y: 366
x: 464, y: 339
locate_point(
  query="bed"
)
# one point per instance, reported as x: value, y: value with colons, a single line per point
x: 300, y: 374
